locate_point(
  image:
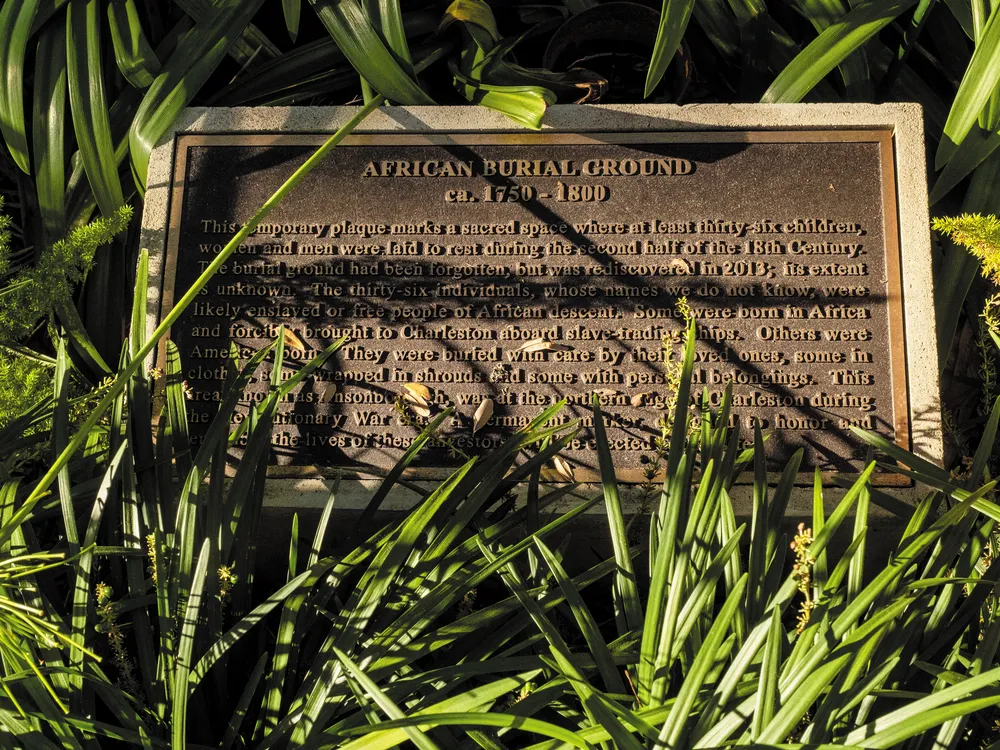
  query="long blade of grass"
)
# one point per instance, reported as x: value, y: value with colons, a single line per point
x: 767, y: 691
x: 386, y: 17
x: 243, y: 704
x: 585, y: 621
x: 628, y: 609
x: 292, y: 11
x: 832, y: 47
x: 477, y: 719
x: 982, y: 76
x: 323, y: 524
x: 197, y: 56
x: 180, y: 686
x: 360, y: 43
x: 88, y: 103
x: 674, y: 18
x: 415, y: 734
x: 16, y: 17
x: 919, y: 715
x: 975, y: 148
x: 48, y: 123
x: 133, y: 53
x: 700, y: 667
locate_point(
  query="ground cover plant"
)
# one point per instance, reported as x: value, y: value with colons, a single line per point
x: 128, y: 611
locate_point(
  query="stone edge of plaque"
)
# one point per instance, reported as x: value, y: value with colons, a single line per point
x: 905, y: 120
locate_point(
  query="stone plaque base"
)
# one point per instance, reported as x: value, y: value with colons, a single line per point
x: 478, y: 260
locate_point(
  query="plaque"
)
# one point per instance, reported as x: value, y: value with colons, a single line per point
x: 533, y: 268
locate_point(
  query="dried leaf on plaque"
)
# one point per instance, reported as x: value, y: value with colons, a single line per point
x: 681, y: 264
x: 328, y: 392
x: 541, y: 345
x: 293, y: 340
x: 563, y: 469
x: 417, y: 405
x: 418, y: 391
x: 535, y: 345
x: 482, y: 416
x: 639, y: 399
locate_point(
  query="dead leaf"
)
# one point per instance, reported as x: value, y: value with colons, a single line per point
x: 639, y: 399
x: 419, y: 409
x: 535, y: 345
x: 420, y: 391
x: 563, y: 469
x: 293, y: 340
x: 328, y: 392
x: 482, y: 416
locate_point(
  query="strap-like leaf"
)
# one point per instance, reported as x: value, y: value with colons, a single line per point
x: 980, y: 81
x: 195, y: 59
x: 48, y: 124
x: 360, y: 43
x: 831, y: 48
x: 16, y: 17
x: 135, y: 57
x: 674, y: 18
x: 89, y: 105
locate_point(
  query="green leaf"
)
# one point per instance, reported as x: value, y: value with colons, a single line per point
x: 60, y: 436
x: 16, y: 17
x: 180, y: 686
x: 197, y: 56
x: 293, y: 548
x: 251, y: 46
x: 492, y: 719
x: 974, y: 149
x: 239, y: 714
x: 831, y: 48
x: 292, y: 10
x: 323, y: 524
x: 767, y: 691
x: 628, y: 609
x: 981, y: 79
x: 917, y: 716
x: 674, y: 18
x: 854, y: 69
x: 523, y: 104
x: 49, y: 129
x: 801, y: 700
x: 89, y: 105
x: 585, y: 621
x: 415, y: 734
x: 135, y: 57
x: 360, y: 43
x: 386, y: 18
x: 708, y: 654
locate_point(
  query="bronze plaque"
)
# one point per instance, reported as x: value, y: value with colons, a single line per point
x: 532, y: 268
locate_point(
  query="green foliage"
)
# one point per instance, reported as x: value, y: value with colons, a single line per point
x: 23, y: 383
x: 34, y: 292
x: 978, y: 234
x: 4, y: 241
x: 451, y: 627
x: 389, y: 638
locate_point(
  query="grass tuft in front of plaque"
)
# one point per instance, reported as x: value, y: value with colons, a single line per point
x: 467, y: 620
